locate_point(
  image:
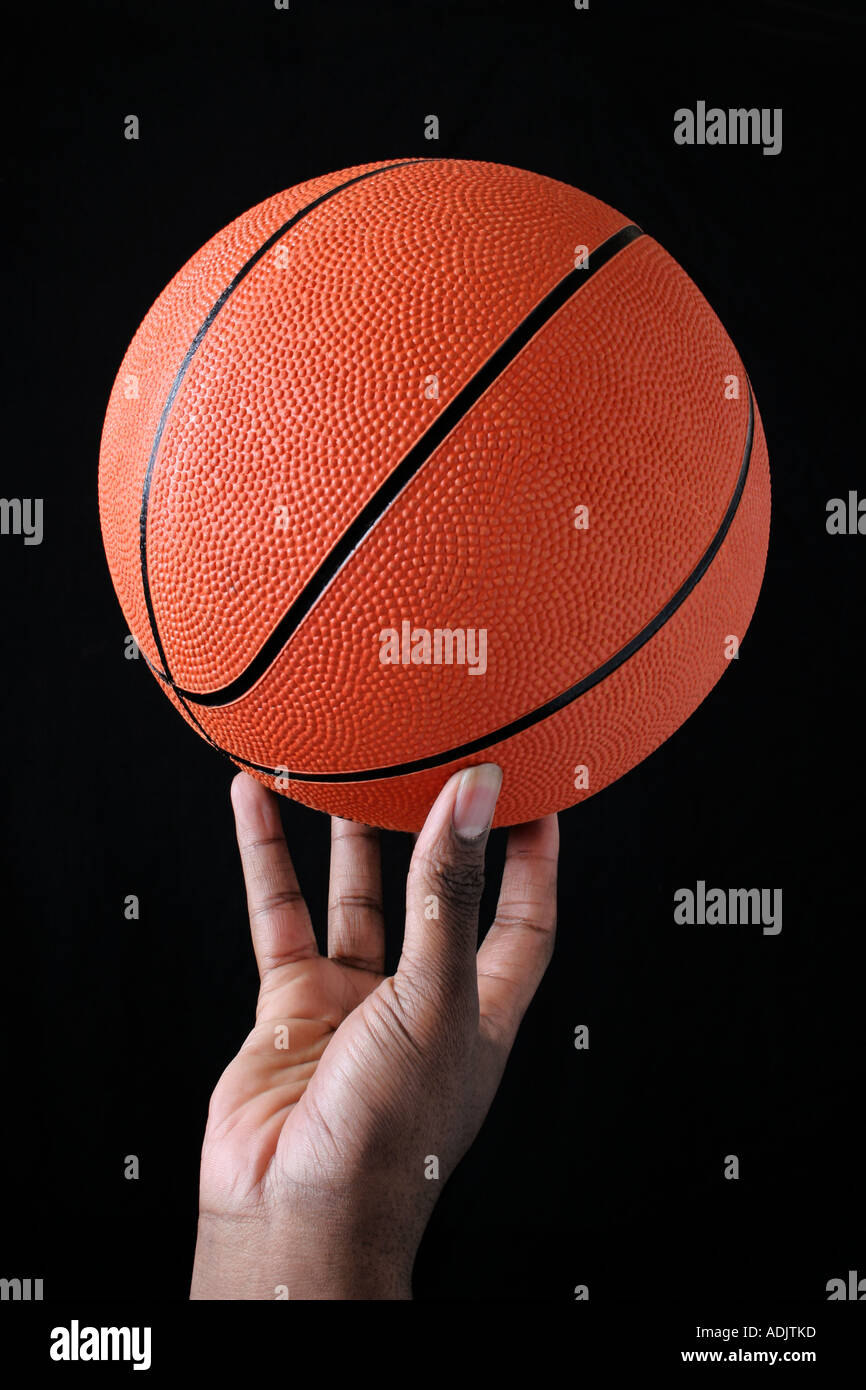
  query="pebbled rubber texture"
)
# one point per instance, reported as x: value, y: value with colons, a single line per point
x: 309, y: 386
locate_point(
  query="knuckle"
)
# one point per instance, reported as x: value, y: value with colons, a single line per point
x: 540, y: 924
x: 459, y: 877
x: 356, y: 902
x: 272, y: 901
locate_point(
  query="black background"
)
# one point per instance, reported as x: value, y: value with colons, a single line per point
x: 601, y: 1167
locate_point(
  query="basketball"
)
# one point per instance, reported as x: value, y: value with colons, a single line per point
x: 427, y: 463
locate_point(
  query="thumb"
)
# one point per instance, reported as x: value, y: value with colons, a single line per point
x: 443, y: 891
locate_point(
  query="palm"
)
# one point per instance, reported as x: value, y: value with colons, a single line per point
x: 260, y: 1105
x: 348, y: 1071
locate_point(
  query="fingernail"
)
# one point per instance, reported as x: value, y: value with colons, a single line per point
x: 476, y: 800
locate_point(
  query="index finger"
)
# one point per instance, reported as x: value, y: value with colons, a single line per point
x: 517, y: 949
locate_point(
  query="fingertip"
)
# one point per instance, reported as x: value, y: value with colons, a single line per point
x: 548, y: 829
x: 255, y: 807
x: 475, y: 801
x: 439, y: 814
x: 244, y: 790
x: 480, y: 783
x: 541, y: 835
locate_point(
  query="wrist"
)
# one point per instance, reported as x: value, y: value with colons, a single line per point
x: 250, y: 1257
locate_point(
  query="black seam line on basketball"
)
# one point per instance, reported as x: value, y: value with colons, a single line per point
x: 406, y: 469
x: 245, y: 269
x: 567, y: 697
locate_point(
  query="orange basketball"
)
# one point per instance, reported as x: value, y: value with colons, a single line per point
x: 434, y: 462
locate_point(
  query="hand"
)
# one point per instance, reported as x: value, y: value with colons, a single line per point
x: 324, y: 1131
